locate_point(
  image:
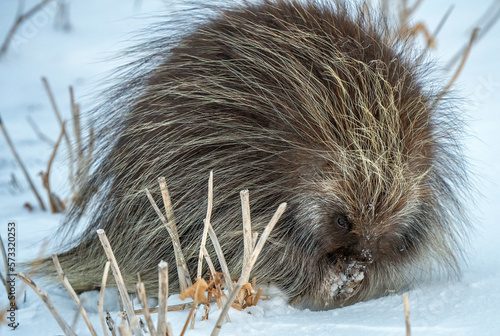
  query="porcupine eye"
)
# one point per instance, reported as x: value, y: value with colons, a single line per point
x: 342, y: 223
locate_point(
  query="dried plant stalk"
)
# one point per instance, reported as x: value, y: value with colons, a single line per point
x: 75, y: 113
x: 465, y: 56
x: 129, y: 308
x: 220, y: 256
x: 66, y: 137
x: 170, y: 332
x: 162, y: 297
x: 100, y: 305
x: 182, y: 270
x: 111, y: 324
x: 255, y: 236
x: 406, y: 304
x: 257, y: 296
x: 123, y: 329
x: 204, y: 237
x: 19, y: 20
x: 141, y: 296
x: 193, y: 308
x: 23, y: 168
x: 248, y: 267
x: 206, y: 222
x: 72, y: 293
x: 39, y: 133
x: 177, y: 307
x: 53, y: 202
x: 247, y: 228
x: 209, y: 261
x: 45, y: 298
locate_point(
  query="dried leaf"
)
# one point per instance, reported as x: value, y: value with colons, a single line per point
x: 191, y: 291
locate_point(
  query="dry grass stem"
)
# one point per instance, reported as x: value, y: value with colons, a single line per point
x: 209, y: 261
x: 129, y: 308
x: 255, y: 236
x: 23, y: 168
x: 220, y: 256
x: 66, y: 137
x: 247, y: 228
x: 484, y: 29
x: 199, y: 288
x: 45, y: 298
x: 182, y: 270
x: 110, y: 323
x: 248, y: 267
x: 257, y: 296
x: 177, y: 307
x: 206, y: 222
x: 162, y: 297
x: 39, y: 133
x: 56, y: 205
x: 460, y: 67
x: 141, y: 296
x: 77, y: 313
x: 100, y: 305
x: 170, y: 332
x: 21, y: 18
x: 75, y: 113
x: 406, y: 304
x: 72, y: 293
x: 123, y: 329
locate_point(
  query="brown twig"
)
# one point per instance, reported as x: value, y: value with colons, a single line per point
x: 483, y: 31
x: 248, y: 267
x: 247, y: 228
x: 123, y: 329
x: 209, y: 260
x: 54, y: 205
x: 182, y: 271
x: 19, y: 20
x: 141, y: 296
x: 39, y: 133
x: 129, y: 308
x: 193, y: 307
x: 162, y: 297
x: 258, y: 295
x: 207, y: 223
x: 100, y: 305
x: 79, y: 309
x: 204, y: 236
x: 111, y: 324
x: 45, y: 298
x: 23, y: 168
x: 66, y: 137
x: 220, y: 256
x: 460, y: 67
x: 406, y: 305
x: 72, y: 293
x: 75, y: 113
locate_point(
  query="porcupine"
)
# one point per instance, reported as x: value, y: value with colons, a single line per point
x: 319, y: 104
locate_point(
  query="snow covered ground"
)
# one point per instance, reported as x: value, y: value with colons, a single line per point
x: 84, y: 56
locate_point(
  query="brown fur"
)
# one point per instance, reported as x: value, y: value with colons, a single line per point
x: 312, y: 103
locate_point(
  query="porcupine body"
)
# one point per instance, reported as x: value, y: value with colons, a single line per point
x: 311, y: 103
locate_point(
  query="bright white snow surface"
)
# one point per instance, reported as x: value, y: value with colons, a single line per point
x: 83, y: 56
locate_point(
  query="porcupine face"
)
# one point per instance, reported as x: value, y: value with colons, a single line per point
x: 366, y: 233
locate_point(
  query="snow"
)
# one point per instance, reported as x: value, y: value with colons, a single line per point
x: 83, y: 58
